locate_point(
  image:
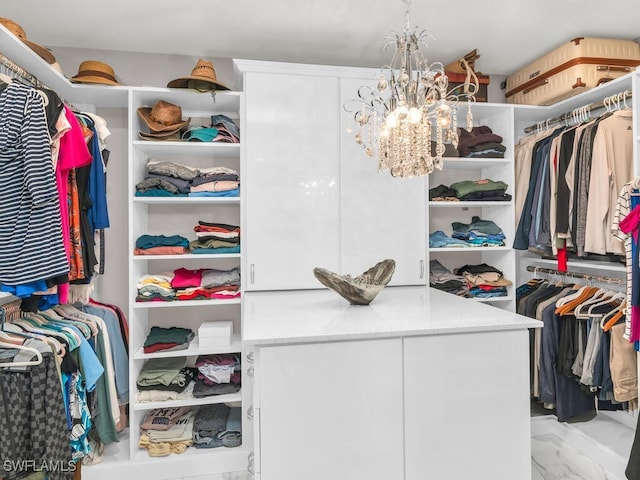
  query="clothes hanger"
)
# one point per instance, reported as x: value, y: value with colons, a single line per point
x: 73, y: 313
x: 567, y: 308
x: 611, y: 300
x: 75, y: 320
x: 36, y: 352
x: 610, y: 319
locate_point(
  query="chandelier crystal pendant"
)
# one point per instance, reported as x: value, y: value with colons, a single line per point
x: 411, y: 114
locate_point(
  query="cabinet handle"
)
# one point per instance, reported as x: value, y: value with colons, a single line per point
x: 250, y: 413
x: 421, y: 269
x: 250, y: 371
x: 252, y: 273
x: 250, y: 357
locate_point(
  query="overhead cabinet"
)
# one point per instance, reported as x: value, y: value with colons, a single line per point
x: 313, y: 198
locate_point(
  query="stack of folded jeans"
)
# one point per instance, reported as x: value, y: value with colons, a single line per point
x: 217, y: 425
x: 480, y: 233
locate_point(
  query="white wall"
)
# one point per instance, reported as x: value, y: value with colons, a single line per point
x: 142, y: 69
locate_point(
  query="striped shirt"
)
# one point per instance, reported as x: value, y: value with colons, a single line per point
x: 623, y: 208
x: 31, y: 245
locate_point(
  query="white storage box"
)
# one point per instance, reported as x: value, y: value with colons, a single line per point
x: 215, y: 334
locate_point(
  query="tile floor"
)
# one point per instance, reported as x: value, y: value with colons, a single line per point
x: 594, y: 450
x: 597, y: 449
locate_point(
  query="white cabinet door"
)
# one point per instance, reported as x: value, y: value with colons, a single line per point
x: 331, y: 411
x: 291, y: 179
x: 382, y: 217
x: 467, y: 406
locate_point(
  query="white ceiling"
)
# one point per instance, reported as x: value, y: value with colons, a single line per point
x: 507, y: 33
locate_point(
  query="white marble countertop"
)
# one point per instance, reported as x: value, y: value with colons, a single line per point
x: 301, y: 316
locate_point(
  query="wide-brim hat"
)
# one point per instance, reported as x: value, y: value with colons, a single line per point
x: 163, y: 117
x: 203, y: 78
x: 95, y: 72
x: 19, y: 32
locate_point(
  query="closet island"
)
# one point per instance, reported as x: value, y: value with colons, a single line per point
x: 419, y: 384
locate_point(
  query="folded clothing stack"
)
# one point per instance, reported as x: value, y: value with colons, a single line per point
x: 480, y: 142
x: 161, y: 245
x: 156, y: 287
x: 484, y: 281
x: 217, y: 425
x: 215, y: 182
x: 480, y: 233
x: 168, y: 339
x: 206, y: 283
x: 443, y: 279
x: 218, y: 374
x: 185, y: 284
x: 215, y: 238
x: 165, y: 374
x: 471, y: 190
x: 167, y: 430
x: 170, y: 179
x: 483, y: 189
x: 166, y: 179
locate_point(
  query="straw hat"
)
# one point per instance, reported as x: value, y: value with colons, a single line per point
x: 163, y: 117
x: 203, y: 78
x: 18, y: 31
x: 93, y: 71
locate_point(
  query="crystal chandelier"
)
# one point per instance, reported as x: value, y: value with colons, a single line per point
x: 406, y: 120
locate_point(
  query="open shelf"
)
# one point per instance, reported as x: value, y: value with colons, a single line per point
x: 469, y: 249
x: 446, y: 204
x: 193, y: 149
x: 190, y: 402
x: 188, y: 200
x: 187, y: 303
x: 187, y: 256
x: 194, y: 349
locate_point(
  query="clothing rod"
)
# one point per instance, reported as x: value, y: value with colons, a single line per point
x: 20, y: 71
x: 29, y: 78
x: 611, y: 100
x: 585, y: 276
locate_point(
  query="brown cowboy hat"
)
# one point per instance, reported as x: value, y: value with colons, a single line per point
x: 93, y: 71
x: 203, y: 78
x: 19, y: 32
x: 163, y: 117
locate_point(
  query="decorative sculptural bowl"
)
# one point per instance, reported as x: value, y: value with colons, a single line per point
x: 360, y: 290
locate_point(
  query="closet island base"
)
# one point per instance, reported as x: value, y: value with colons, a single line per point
x: 419, y: 384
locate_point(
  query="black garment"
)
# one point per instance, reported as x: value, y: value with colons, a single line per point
x: 488, y: 146
x: 570, y: 400
x: 477, y: 269
x: 477, y: 136
x: 52, y: 109
x: 442, y: 191
x: 88, y: 241
x: 632, y: 471
x: 562, y: 195
x: 33, y: 423
x: 221, y: 225
x: 487, y: 195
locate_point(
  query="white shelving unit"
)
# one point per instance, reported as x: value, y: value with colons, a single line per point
x: 178, y: 216
x: 499, y: 117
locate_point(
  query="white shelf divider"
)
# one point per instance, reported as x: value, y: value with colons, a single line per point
x: 187, y: 303
x: 190, y: 402
x: 194, y: 349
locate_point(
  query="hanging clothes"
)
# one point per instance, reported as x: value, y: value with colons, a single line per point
x: 30, y: 223
x: 580, y: 359
x: 568, y: 180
